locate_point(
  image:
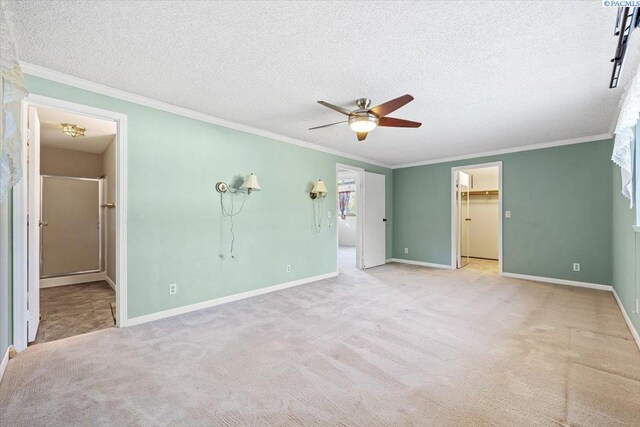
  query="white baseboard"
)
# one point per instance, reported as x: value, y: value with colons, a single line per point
x: 632, y: 328
x: 72, y: 280
x: 559, y: 281
x: 218, y: 301
x: 420, y: 263
x: 110, y: 282
x: 4, y: 362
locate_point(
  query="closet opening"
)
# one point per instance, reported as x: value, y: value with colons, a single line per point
x: 476, y: 223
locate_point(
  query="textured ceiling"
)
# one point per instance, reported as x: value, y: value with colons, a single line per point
x: 485, y: 75
x: 98, y: 135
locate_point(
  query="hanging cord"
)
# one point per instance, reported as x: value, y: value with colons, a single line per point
x: 317, y: 215
x: 231, y: 214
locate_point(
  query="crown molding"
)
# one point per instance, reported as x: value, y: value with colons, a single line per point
x: 66, y: 79
x: 580, y: 140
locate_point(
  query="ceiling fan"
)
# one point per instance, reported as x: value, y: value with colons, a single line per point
x: 364, y: 119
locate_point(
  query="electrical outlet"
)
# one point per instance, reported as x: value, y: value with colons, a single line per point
x: 576, y: 266
x: 173, y: 288
x: 507, y: 214
x: 288, y: 268
x: 406, y: 250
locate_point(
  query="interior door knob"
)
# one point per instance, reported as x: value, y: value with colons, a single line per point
x: 43, y: 223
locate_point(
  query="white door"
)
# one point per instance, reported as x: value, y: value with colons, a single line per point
x: 375, y: 221
x: 462, y: 218
x: 33, y: 256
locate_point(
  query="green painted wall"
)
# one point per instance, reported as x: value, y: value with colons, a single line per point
x: 626, y: 250
x: 560, y: 199
x: 175, y: 229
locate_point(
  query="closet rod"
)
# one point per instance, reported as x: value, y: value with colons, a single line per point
x: 482, y: 193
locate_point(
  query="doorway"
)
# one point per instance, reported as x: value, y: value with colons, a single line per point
x: 68, y: 265
x: 362, y: 222
x: 476, y: 232
x: 349, y: 217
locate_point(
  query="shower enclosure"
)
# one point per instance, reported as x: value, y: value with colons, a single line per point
x: 70, y: 229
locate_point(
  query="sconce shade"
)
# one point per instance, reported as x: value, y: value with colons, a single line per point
x: 318, y: 190
x: 319, y: 187
x: 250, y: 183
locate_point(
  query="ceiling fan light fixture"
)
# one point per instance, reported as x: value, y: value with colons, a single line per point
x: 363, y: 123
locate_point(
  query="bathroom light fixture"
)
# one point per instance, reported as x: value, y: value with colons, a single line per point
x: 72, y: 130
x: 318, y: 190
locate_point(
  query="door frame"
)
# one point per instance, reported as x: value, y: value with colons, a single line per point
x: 20, y: 199
x: 359, y: 173
x: 454, y: 225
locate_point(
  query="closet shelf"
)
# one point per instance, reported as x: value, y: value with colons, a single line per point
x: 482, y: 193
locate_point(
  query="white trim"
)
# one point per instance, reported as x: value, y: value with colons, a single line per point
x: 454, y: 257
x: 420, y: 263
x: 360, y: 213
x: 52, y: 282
x: 223, y: 300
x: 56, y: 76
x: 4, y: 362
x: 580, y: 140
x: 632, y: 328
x: 559, y: 281
x: 110, y: 282
x: 19, y: 203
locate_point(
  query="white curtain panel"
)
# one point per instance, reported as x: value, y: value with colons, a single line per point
x: 623, y: 149
x: 13, y: 92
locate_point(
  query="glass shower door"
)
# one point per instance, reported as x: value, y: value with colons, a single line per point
x: 70, y: 226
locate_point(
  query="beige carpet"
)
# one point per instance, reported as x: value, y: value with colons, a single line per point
x: 71, y: 310
x: 391, y: 346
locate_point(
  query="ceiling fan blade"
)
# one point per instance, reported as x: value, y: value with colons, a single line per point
x: 398, y: 123
x: 391, y: 106
x: 361, y: 135
x: 335, y: 108
x: 330, y: 124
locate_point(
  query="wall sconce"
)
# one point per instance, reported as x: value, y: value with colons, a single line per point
x: 318, y: 190
x: 249, y: 184
x: 318, y: 193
